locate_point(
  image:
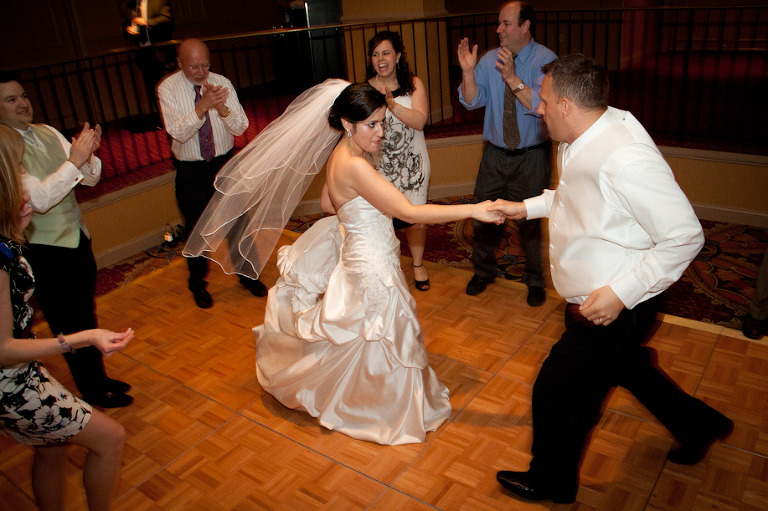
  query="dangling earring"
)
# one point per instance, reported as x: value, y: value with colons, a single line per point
x: 349, y: 134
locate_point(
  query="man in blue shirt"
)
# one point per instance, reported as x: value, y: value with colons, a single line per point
x: 515, y: 164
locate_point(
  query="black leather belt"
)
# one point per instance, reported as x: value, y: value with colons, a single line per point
x: 516, y: 152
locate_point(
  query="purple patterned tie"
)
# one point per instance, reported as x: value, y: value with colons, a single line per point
x: 205, y: 134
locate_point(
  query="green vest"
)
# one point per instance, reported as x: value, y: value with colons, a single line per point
x: 59, y: 226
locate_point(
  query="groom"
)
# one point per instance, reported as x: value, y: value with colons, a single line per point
x: 621, y: 232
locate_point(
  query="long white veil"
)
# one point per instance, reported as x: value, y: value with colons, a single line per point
x: 259, y: 188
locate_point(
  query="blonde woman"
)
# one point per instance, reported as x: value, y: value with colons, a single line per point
x: 35, y: 409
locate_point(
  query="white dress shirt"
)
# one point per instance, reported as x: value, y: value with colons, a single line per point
x: 618, y: 217
x: 46, y: 193
x: 177, y: 103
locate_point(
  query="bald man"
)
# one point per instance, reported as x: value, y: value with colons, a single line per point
x: 202, y: 115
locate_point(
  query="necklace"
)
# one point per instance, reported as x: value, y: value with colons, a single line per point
x: 387, y: 86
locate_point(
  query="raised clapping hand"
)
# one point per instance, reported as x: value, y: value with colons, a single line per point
x: 97, y: 137
x: 26, y: 211
x: 391, y: 105
x: 511, y: 210
x: 483, y: 213
x: 467, y: 57
x: 506, y: 64
x: 84, y: 145
x: 108, y: 342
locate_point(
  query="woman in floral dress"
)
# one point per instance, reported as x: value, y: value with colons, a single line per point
x: 403, y: 158
x: 36, y: 409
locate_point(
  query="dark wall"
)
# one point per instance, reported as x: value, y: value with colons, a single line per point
x: 464, y: 7
x: 46, y: 31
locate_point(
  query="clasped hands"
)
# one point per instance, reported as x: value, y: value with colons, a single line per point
x: 85, y: 145
x: 214, y: 97
x: 602, y: 306
x: 135, y: 22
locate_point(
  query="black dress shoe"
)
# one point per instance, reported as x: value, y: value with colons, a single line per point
x: 117, y: 386
x: 254, y: 286
x: 519, y: 483
x: 754, y: 328
x: 693, y: 452
x: 110, y: 400
x: 477, y: 284
x: 202, y: 298
x: 536, y: 296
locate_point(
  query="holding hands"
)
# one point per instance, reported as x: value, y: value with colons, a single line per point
x: 511, y: 210
x: 85, y: 145
x: 483, y: 212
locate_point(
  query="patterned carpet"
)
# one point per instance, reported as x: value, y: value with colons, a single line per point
x: 716, y: 287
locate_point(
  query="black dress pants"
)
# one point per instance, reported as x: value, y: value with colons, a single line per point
x: 65, y: 280
x: 512, y: 177
x: 574, y: 380
x: 194, y: 189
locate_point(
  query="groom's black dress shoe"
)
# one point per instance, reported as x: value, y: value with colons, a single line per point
x: 203, y: 298
x: 254, y: 286
x: 109, y: 399
x: 693, y: 452
x: 520, y: 484
x: 116, y: 386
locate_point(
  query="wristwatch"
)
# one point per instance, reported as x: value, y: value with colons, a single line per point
x: 517, y: 89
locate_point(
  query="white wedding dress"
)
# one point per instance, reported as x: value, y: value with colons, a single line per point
x: 340, y: 338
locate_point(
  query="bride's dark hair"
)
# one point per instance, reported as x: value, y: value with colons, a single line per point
x: 356, y: 103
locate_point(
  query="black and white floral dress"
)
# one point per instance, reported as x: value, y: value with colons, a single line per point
x: 35, y: 409
x: 403, y: 158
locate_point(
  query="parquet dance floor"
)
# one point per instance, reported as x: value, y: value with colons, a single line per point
x: 203, y: 436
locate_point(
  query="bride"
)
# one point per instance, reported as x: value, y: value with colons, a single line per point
x: 340, y: 338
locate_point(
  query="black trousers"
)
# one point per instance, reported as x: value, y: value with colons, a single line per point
x: 194, y: 189
x: 513, y: 177
x: 574, y: 380
x: 65, y: 279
